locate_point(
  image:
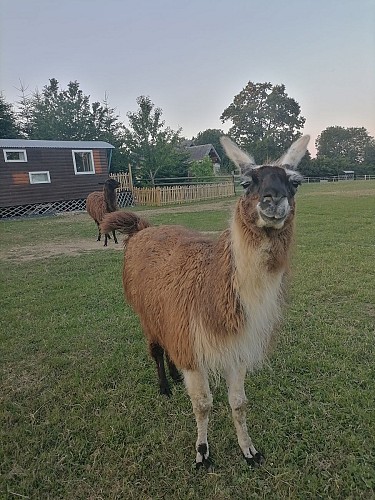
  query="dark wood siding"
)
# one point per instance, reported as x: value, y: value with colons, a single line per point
x: 15, y: 188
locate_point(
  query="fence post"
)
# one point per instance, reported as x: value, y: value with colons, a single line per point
x: 158, y: 196
x: 130, y: 177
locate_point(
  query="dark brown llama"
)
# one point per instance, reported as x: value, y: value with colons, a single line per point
x: 99, y: 203
x: 212, y: 306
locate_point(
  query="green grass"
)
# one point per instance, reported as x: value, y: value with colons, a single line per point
x: 80, y: 414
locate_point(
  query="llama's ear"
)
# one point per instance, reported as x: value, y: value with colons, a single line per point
x: 241, y: 159
x: 295, y: 153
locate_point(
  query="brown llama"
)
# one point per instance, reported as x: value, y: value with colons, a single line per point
x: 212, y: 305
x: 99, y: 203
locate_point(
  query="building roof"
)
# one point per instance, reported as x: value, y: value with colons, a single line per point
x: 197, y: 153
x: 25, y: 143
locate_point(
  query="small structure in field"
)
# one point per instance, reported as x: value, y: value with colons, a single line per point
x: 349, y: 175
x: 39, y: 177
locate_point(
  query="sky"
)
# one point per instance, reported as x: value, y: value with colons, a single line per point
x: 192, y: 57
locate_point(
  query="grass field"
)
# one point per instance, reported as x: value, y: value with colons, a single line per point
x: 80, y: 413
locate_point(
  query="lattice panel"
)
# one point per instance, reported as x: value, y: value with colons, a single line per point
x: 125, y: 198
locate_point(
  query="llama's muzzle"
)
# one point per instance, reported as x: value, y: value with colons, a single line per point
x: 273, y: 210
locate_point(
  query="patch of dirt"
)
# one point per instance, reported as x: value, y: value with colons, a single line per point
x: 72, y: 249
x: 46, y: 250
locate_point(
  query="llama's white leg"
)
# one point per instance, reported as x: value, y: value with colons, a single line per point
x: 198, y: 388
x: 235, y: 378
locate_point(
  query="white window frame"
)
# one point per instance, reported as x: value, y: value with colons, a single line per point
x: 40, y: 182
x: 5, y: 151
x: 92, y: 161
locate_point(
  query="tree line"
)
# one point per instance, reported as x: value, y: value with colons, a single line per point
x: 265, y: 121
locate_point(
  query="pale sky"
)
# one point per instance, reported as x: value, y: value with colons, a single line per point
x: 192, y: 57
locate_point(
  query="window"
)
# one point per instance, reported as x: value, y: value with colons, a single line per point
x: 15, y: 155
x: 83, y: 162
x: 39, y: 177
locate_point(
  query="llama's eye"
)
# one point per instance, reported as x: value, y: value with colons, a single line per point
x: 245, y: 184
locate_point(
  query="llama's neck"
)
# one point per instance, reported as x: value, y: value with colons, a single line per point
x: 110, y: 200
x: 261, y: 256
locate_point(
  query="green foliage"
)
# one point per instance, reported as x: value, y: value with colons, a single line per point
x: 349, y: 144
x: 340, y: 148
x: 61, y: 114
x: 265, y: 120
x: 56, y: 114
x: 203, y: 168
x: 9, y: 128
x: 152, y: 147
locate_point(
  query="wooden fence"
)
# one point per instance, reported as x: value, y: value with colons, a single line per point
x: 125, y: 180
x: 166, y: 195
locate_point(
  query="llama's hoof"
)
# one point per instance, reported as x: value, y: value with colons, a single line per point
x: 202, y: 460
x: 256, y: 460
x: 206, y: 464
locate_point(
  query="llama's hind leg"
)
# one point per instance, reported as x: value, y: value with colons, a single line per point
x: 173, y: 371
x: 99, y: 232
x: 201, y: 398
x: 157, y: 352
x: 237, y: 399
x: 114, y: 236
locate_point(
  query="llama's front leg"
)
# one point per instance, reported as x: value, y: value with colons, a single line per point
x: 237, y: 399
x: 114, y: 236
x: 201, y: 398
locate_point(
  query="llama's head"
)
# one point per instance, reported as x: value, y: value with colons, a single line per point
x: 111, y: 184
x: 270, y: 189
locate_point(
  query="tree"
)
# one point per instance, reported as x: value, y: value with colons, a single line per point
x: 57, y: 114
x: 369, y: 153
x: 61, y: 114
x: 265, y: 120
x: 153, y: 147
x: 9, y: 128
x: 350, y: 146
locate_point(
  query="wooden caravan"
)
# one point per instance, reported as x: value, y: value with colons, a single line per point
x: 44, y: 176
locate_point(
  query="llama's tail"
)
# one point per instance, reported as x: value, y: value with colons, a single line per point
x: 128, y: 223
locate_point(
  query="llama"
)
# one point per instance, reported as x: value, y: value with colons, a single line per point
x: 99, y: 203
x: 212, y: 306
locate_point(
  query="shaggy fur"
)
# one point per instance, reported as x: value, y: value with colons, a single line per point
x: 212, y: 305
x: 99, y: 203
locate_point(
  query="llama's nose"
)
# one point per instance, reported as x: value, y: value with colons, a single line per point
x: 275, y: 205
x: 273, y: 199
